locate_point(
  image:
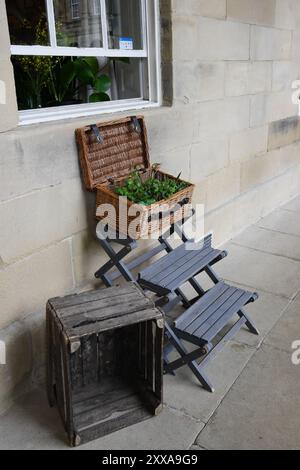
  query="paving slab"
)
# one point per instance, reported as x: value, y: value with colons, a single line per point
x: 269, y: 241
x: 31, y: 425
x: 283, y: 221
x: 262, y: 271
x: 293, y: 205
x: 169, y: 431
x: 262, y: 410
x: 264, y: 313
x: 287, y: 330
x: 184, y: 393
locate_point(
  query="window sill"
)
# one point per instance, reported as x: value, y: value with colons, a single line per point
x: 36, y: 116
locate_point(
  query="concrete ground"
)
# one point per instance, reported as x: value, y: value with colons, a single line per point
x: 257, y: 402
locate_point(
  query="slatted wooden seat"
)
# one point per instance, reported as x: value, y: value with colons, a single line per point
x: 202, y: 323
x: 182, y: 264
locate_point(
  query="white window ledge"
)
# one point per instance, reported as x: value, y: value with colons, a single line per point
x: 36, y: 116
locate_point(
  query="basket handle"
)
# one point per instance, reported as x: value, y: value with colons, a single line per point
x: 136, y: 125
x: 97, y: 133
x: 160, y: 215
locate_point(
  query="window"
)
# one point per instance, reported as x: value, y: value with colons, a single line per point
x: 75, y: 9
x: 79, y: 57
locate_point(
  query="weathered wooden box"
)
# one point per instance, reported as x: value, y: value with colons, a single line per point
x: 109, y: 152
x: 104, y: 360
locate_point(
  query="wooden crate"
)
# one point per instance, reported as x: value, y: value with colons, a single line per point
x: 109, y: 152
x: 104, y: 360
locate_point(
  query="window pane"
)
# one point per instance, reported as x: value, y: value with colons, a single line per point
x: 78, y: 23
x: 45, y: 81
x: 124, y: 24
x: 129, y: 79
x: 27, y: 22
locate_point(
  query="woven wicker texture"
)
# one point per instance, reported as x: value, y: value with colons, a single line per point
x: 121, y: 151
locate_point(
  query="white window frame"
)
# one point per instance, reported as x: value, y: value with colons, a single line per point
x: 151, y: 51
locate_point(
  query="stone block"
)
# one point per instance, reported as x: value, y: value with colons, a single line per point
x: 194, y: 81
x: 41, y: 218
x: 221, y: 117
x: 208, y: 157
x: 88, y: 256
x: 289, y: 156
x: 221, y: 40
x: 168, y: 129
x: 25, y: 286
x: 247, y: 78
x: 287, y: 14
x: 185, y: 37
x: 284, y: 132
x: 35, y: 157
x: 284, y: 74
x: 248, y: 143
x: 213, y: 8
x: 257, y: 170
x: 8, y: 102
x: 177, y: 161
x: 221, y: 187
x: 296, y: 46
x: 273, y: 107
x: 220, y: 222
x: 252, y: 11
x: 270, y: 43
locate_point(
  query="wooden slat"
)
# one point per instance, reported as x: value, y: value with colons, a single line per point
x: 186, y: 318
x: 124, y: 420
x: 101, y: 305
x: 190, y: 271
x: 160, y: 264
x: 90, y: 296
x: 207, y: 311
x: 150, y: 354
x: 89, y: 354
x: 173, y: 271
x: 225, y: 317
x: 116, y: 309
x: 118, y: 322
x: 169, y: 259
x: 158, y: 379
x: 50, y: 357
x: 111, y: 410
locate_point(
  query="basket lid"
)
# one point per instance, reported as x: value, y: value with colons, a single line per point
x: 111, y: 150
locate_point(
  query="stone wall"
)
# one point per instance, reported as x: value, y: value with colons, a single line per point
x: 228, y: 124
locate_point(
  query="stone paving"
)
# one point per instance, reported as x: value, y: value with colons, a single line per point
x: 257, y: 402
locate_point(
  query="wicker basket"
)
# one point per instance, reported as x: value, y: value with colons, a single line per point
x: 109, y: 152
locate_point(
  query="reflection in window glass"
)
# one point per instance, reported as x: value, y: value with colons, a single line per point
x: 47, y: 81
x: 27, y: 22
x: 129, y: 79
x: 124, y: 24
x: 78, y: 23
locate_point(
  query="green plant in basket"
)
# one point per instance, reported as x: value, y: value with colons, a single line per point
x: 150, y: 191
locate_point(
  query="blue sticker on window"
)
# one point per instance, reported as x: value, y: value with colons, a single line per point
x: 126, y: 44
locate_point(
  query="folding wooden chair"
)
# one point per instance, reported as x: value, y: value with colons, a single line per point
x: 207, y: 315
